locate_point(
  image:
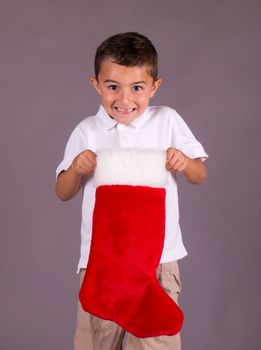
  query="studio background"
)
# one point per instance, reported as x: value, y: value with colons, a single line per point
x: 209, y: 55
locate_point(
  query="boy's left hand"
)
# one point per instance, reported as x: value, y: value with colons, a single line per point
x: 176, y: 160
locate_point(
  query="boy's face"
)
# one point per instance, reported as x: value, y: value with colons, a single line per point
x: 125, y: 91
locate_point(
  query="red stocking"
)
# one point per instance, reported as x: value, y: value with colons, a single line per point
x: 120, y: 283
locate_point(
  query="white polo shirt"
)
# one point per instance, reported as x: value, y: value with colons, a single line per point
x: 159, y: 127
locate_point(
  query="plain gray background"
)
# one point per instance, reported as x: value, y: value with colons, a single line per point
x: 210, y: 64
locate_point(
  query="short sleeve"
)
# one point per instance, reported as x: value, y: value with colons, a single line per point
x: 183, y: 139
x: 76, y: 144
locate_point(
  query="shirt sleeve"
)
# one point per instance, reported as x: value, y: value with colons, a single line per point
x: 75, y: 145
x: 183, y: 139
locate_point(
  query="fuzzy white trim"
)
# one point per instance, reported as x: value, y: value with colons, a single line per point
x: 131, y: 167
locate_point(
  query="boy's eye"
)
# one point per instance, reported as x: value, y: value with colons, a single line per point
x: 113, y: 87
x: 137, y: 88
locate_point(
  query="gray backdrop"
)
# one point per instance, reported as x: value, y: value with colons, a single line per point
x: 210, y: 63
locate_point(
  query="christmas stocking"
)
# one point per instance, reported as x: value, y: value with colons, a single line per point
x: 120, y: 282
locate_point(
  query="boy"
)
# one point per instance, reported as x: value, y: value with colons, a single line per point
x: 126, y: 78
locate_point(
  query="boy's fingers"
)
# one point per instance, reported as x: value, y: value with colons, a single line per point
x: 85, y: 162
x: 177, y: 166
x: 171, y: 163
x: 92, y: 161
x: 91, y: 158
x: 170, y: 153
x: 89, y: 163
x: 181, y: 164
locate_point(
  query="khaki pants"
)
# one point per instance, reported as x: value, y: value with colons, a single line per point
x: 93, y: 333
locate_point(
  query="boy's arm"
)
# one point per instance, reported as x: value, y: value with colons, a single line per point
x: 68, y: 182
x: 194, y: 170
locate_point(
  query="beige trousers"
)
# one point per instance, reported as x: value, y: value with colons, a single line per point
x: 93, y: 333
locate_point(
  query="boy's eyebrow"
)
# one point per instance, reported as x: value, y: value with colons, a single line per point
x: 116, y: 82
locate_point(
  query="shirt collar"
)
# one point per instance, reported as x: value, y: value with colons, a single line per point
x: 109, y: 123
x: 141, y: 120
x: 104, y: 119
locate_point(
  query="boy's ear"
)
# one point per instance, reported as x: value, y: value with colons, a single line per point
x: 95, y: 84
x: 155, y: 87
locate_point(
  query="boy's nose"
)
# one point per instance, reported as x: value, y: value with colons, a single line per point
x: 125, y: 97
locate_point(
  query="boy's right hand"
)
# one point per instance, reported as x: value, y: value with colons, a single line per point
x: 84, y: 163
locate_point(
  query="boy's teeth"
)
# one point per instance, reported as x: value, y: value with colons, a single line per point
x: 124, y: 110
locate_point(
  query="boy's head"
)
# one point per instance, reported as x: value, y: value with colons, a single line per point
x: 128, y: 49
x: 126, y: 75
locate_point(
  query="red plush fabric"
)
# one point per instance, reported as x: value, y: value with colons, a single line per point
x: 120, y: 283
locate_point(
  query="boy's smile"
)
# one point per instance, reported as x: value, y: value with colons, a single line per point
x: 125, y: 90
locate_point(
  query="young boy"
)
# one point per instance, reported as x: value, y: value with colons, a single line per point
x: 126, y: 78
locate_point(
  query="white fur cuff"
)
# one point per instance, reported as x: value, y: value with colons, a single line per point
x: 131, y: 167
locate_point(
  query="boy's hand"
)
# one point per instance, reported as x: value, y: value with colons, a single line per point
x: 176, y: 160
x: 84, y: 163
x: 193, y: 169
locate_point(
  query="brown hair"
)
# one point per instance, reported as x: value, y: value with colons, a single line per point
x: 128, y: 49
